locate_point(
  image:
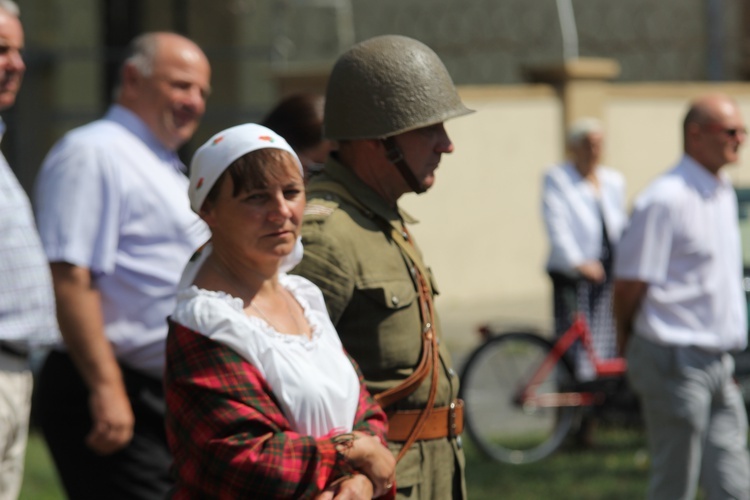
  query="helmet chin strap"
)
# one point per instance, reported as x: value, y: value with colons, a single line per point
x: 394, y: 155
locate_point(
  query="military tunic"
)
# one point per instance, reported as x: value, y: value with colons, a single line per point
x: 367, y: 282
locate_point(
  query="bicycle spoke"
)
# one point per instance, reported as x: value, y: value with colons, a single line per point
x: 504, y: 427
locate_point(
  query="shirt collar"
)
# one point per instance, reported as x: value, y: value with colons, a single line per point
x: 339, y: 173
x: 136, y: 126
x: 705, y: 182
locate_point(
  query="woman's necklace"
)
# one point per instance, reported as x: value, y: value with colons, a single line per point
x: 289, y: 306
x: 242, y: 288
x: 287, y: 301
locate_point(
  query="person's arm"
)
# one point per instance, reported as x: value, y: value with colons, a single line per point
x: 81, y: 324
x: 627, y: 299
x: 556, y: 212
x: 355, y: 488
x: 327, y: 265
x: 376, y: 462
x: 228, y: 434
x: 592, y: 270
x: 369, y: 417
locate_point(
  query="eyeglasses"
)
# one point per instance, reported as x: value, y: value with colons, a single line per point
x: 730, y: 132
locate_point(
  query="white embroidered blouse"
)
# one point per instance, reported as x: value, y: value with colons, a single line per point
x: 312, y: 378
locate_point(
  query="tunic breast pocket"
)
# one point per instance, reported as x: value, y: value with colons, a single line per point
x: 390, y: 310
x: 391, y: 294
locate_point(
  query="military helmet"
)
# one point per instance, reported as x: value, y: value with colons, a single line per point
x: 388, y: 85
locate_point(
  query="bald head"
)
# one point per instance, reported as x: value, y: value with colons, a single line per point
x: 165, y: 81
x: 706, y: 109
x: 713, y: 131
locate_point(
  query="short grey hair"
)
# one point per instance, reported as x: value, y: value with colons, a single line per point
x: 10, y: 7
x: 581, y: 128
x: 141, y: 55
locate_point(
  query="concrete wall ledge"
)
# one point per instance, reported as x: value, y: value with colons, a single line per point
x: 582, y: 68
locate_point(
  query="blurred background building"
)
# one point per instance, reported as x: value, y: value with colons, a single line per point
x: 527, y: 66
x: 261, y: 49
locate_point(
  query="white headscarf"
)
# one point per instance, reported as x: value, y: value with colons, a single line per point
x: 215, y: 156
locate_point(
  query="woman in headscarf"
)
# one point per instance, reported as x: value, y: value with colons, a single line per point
x: 262, y: 400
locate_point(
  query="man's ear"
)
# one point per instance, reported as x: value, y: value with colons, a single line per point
x: 131, y: 79
x: 693, y: 129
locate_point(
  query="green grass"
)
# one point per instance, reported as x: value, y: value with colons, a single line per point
x: 614, y: 469
x: 40, y: 480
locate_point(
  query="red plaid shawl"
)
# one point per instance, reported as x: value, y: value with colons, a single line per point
x: 228, y: 434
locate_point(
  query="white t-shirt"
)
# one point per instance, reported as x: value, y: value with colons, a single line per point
x: 312, y: 378
x: 683, y: 240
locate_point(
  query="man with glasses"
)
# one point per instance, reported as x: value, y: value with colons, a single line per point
x: 680, y: 308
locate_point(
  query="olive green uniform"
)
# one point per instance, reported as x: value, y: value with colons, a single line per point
x: 373, y: 301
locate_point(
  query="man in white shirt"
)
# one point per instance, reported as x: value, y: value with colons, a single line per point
x: 27, y: 305
x: 680, y: 308
x: 117, y: 228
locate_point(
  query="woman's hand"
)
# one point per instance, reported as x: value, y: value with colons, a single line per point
x: 368, y: 455
x: 352, y: 488
x: 355, y: 488
x: 592, y: 271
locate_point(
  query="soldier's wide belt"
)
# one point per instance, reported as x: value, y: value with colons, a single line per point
x: 446, y: 421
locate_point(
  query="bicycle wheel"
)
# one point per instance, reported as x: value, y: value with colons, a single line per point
x: 495, y: 420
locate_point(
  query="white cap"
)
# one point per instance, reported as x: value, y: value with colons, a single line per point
x: 213, y: 158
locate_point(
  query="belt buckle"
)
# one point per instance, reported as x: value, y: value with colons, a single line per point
x: 452, y: 420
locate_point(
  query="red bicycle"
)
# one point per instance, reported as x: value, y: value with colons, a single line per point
x: 521, y: 394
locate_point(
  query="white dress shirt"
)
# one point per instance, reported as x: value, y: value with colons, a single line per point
x: 683, y: 240
x: 112, y: 199
x: 573, y: 212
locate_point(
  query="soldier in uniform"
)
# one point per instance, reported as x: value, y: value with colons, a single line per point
x: 387, y: 99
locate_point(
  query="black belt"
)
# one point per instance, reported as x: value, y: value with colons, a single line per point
x: 12, y: 350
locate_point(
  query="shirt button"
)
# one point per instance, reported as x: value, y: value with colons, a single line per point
x: 459, y: 443
x: 394, y: 300
x: 451, y: 372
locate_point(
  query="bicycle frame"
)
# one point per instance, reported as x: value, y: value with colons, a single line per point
x: 579, y: 330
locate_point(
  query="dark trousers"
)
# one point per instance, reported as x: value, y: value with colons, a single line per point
x: 139, y: 471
